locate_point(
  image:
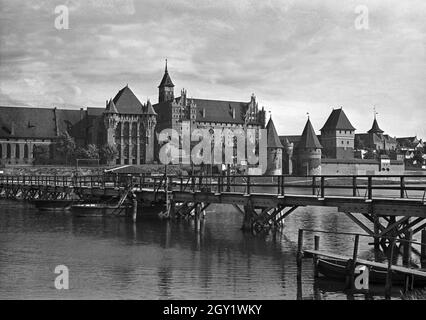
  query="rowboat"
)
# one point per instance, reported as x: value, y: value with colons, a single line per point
x: 337, y: 270
x: 99, y: 209
x: 52, y: 205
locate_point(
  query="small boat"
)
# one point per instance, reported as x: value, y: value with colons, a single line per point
x: 53, y: 205
x: 99, y: 209
x: 336, y: 269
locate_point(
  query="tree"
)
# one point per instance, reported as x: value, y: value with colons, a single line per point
x: 41, y: 154
x: 65, y: 146
x: 92, y: 152
x: 370, y: 154
x: 108, y: 153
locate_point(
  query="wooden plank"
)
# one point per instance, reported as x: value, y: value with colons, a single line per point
x: 359, y: 223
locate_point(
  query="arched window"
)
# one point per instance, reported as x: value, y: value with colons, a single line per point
x: 26, y: 153
x: 8, y: 151
x: 17, y: 151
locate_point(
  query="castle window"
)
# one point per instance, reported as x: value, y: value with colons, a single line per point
x: 17, y: 151
x: 26, y: 151
x: 8, y: 151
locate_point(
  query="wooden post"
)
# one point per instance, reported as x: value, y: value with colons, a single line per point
x: 322, y: 187
x: 423, y: 249
x: 354, y: 258
x: 248, y: 185
x: 406, y: 259
x: 282, y: 186
x: 370, y: 187
x: 135, y: 209
x: 388, y: 287
x: 299, y: 254
x: 407, y: 248
x: 402, y: 187
x: 376, y: 233
x: 354, y: 186
x: 315, y: 258
x: 314, y: 185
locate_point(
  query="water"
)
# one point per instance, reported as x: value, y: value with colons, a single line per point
x: 112, y: 258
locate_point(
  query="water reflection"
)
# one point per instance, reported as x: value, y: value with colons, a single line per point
x: 114, y: 258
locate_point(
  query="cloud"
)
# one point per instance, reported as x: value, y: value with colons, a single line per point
x: 296, y: 56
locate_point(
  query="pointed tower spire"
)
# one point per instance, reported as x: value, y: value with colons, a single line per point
x: 110, y: 107
x: 149, y: 108
x: 273, y: 139
x: 309, y: 139
x: 165, y: 89
x: 375, y: 127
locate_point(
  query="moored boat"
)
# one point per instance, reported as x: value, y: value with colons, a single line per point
x: 99, y: 209
x: 52, y: 205
x: 337, y: 270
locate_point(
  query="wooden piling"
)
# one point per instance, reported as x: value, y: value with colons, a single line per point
x: 376, y: 233
x: 407, y: 248
x: 315, y: 257
x: 135, y: 209
x: 388, y: 286
x: 353, y: 262
x: 299, y: 254
x: 423, y: 249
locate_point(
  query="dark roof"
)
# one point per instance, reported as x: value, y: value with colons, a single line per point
x: 215, y: 110
x: 273, y: 139
x: 309, y: 139
x: 127, y: 103
x: 375, y: 128
x: 166, y: 81
x: 337, y: 121
x: 220, y: 111
x: 149, y: 109
x: 31, y: 122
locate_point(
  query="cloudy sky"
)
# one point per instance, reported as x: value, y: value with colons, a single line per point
x: 296, y: 56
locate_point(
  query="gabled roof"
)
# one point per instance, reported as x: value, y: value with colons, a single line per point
x: 375, y: 128
x: 337, y: 121
x: 273, y: 139
x: 309, y: 139
x: 127, y: 103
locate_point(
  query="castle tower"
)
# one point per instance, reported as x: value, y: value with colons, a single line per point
x: 274, y: 150
x: 149, y: 123
x: 307, y: 154
x: 338, y: 136
x: 111, y: 119
x: 165, y: 89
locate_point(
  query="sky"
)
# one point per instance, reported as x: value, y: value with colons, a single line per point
x: 297, y: 57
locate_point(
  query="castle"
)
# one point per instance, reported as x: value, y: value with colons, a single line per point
x: 129, y: 125
x: 133, y: 128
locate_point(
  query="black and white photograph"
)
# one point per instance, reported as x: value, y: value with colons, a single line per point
x: 212, y: 155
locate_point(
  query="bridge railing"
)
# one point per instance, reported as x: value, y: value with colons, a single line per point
x: 365, y: 186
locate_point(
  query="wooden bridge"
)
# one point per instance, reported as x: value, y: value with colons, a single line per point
x: 380, y: 205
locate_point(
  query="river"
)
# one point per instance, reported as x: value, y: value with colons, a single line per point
x: 112, y: 258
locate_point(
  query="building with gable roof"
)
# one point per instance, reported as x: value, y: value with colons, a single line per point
x: 338, y: 136
x: 375, y: 139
